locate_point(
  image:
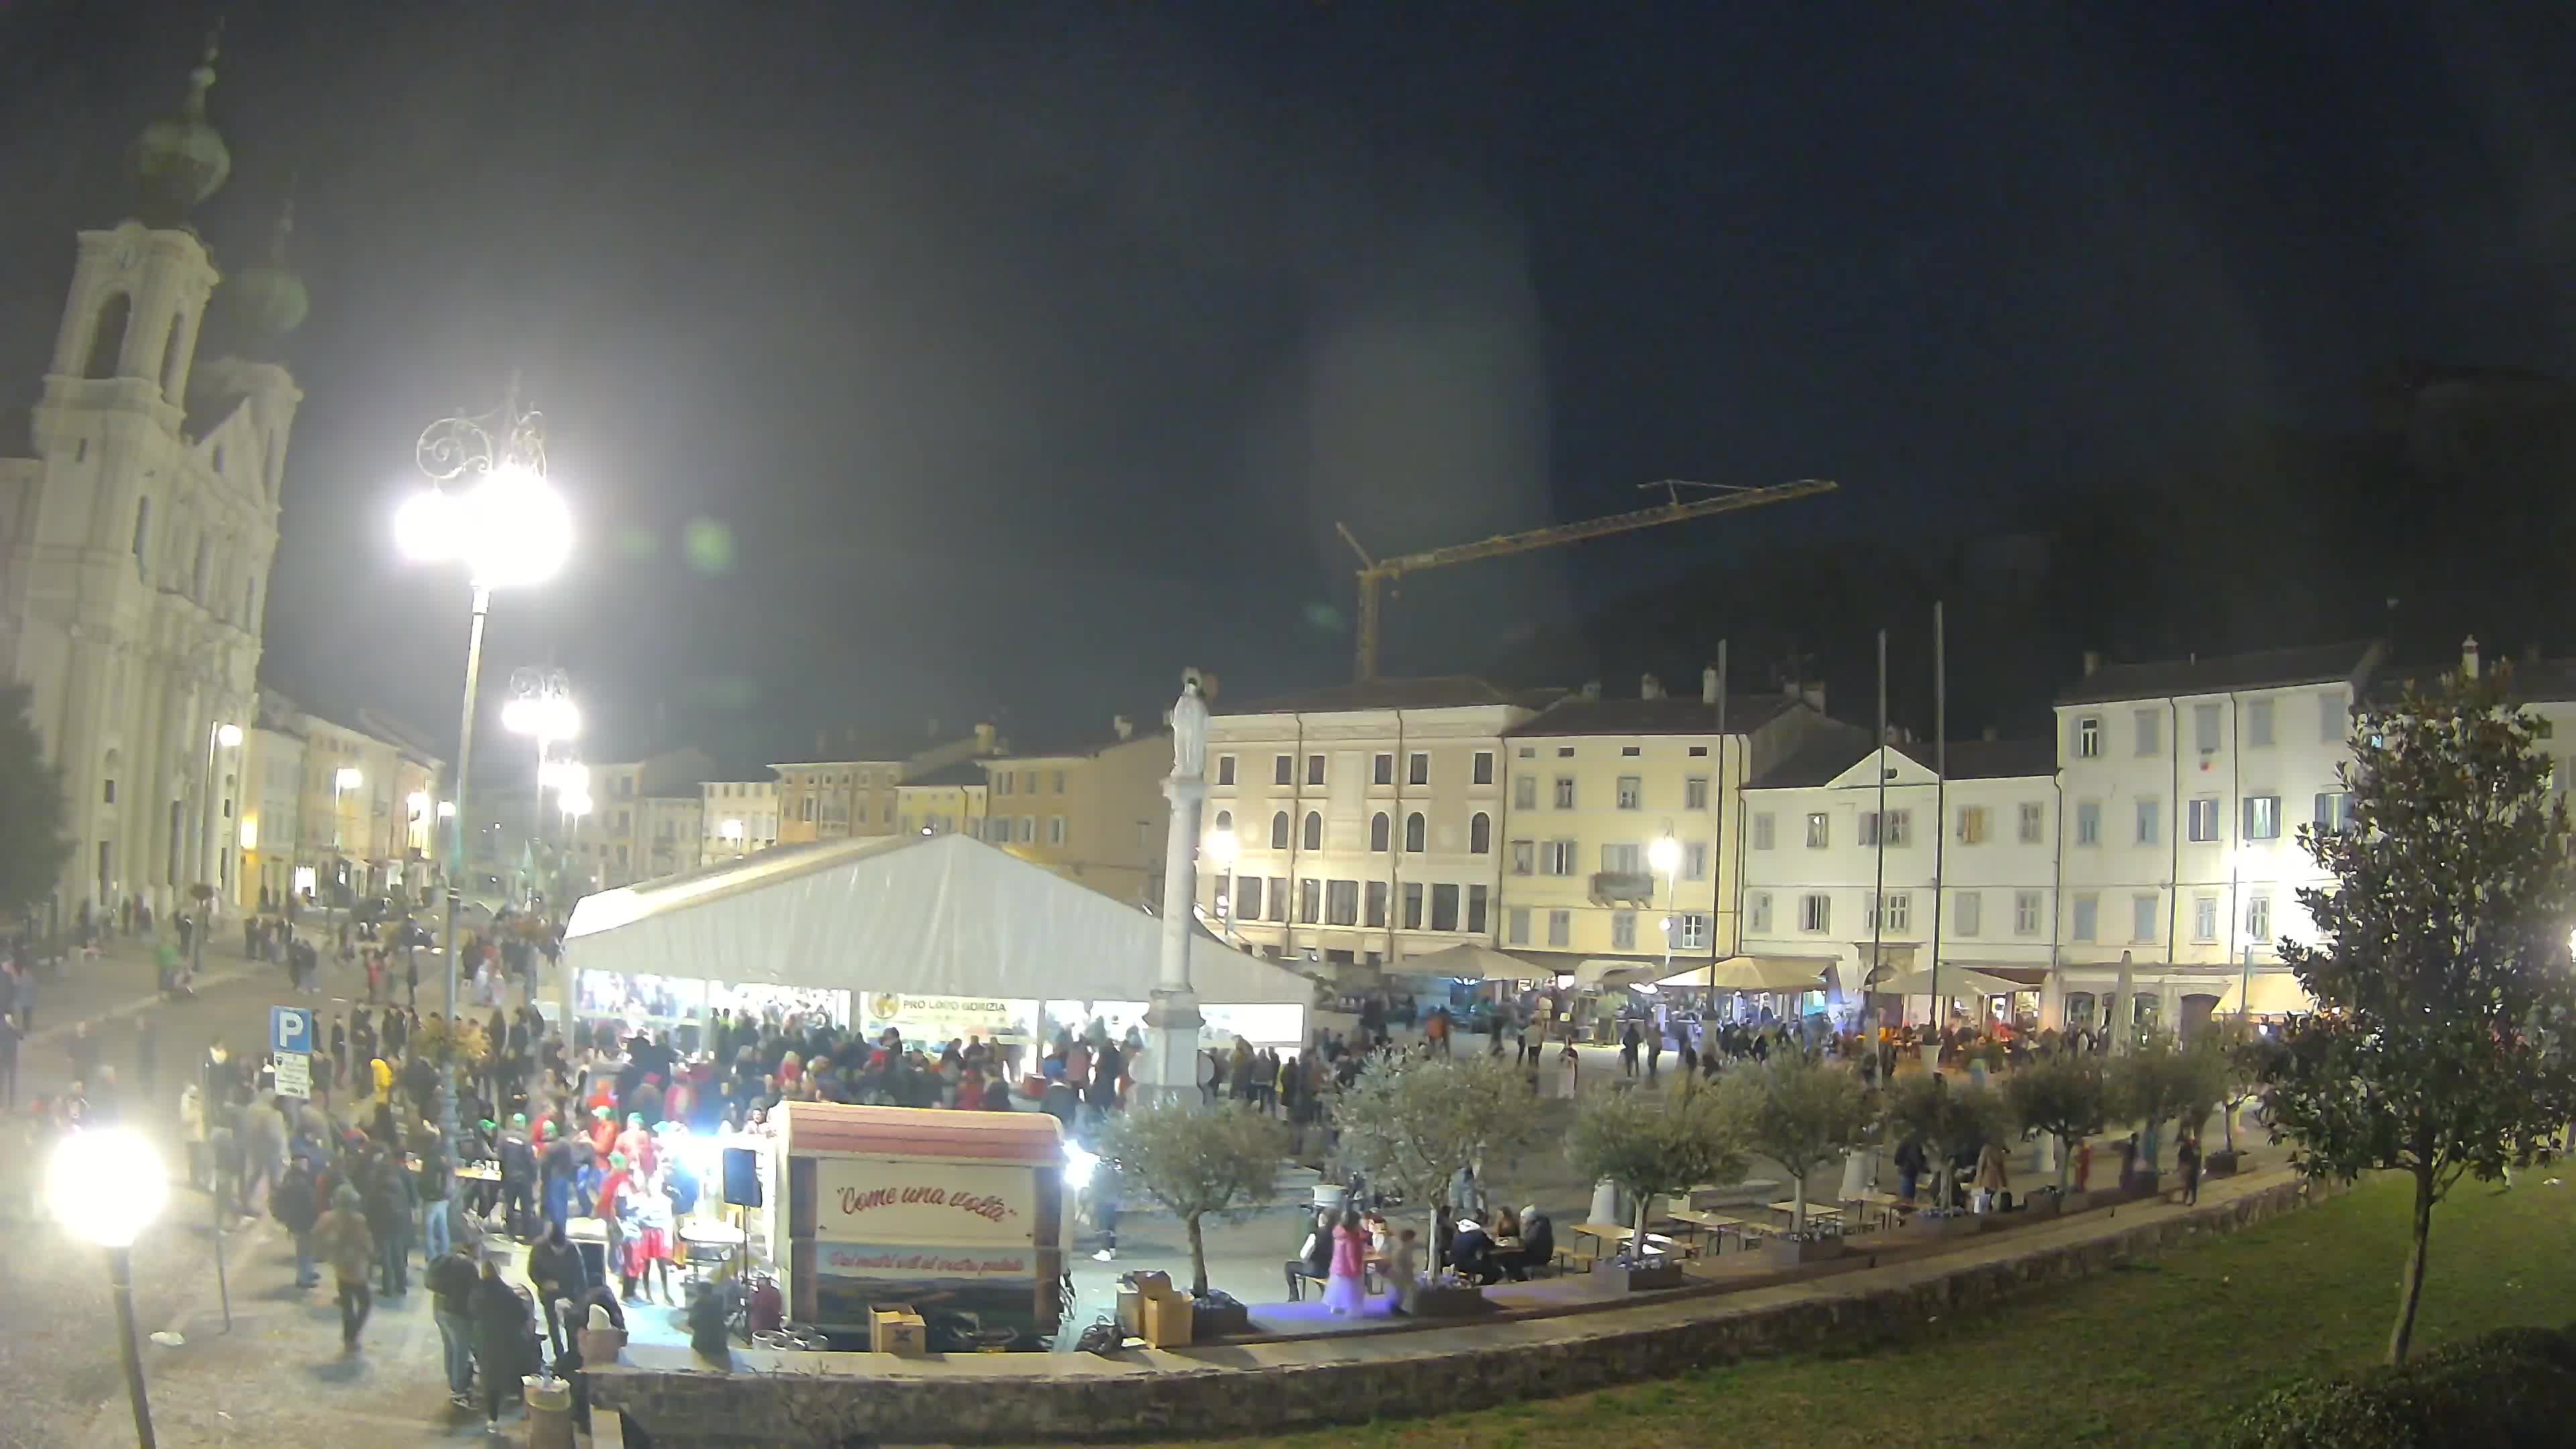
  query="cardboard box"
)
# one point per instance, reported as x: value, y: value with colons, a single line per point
x: 897, y: 1330
x: 1153, y: 1284
x: 1168, y: 1320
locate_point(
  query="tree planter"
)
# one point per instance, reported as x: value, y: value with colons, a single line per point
x: 1448, y: 1300
x: 1660, y: 1273
x: 1956, y: 1225
x: 2222, y: 1163
x: 2042, y: 1207
x: 1792, y: 1252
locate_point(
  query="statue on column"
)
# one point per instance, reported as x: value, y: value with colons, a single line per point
x: 1189, y: 731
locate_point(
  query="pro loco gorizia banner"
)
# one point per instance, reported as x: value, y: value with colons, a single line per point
x: 895, y: 1202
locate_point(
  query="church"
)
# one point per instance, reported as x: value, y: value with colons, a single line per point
x: 135, y: 544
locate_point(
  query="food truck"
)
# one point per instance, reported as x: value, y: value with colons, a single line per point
x: 960, y: 1216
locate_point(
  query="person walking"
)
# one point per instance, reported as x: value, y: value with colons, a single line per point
x: 341, y: 1237
x: 297, y: 1206
x: 1628, y: 1043
x: 2187, y: 1157
x: 452, y: 1279
x: 504, y: 1341
x: 556, y: 1270
x: 1993, y: 1176
x: 389, y: 1210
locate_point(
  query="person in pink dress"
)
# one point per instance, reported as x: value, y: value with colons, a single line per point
x: 1343, y: 1288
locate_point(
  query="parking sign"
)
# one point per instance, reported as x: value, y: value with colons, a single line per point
x: 290, y: 1030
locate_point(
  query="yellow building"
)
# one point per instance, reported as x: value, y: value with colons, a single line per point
x: 943, y: 801
x: 1595, y: 785
x: 336, y: 811
x: 851, y: 792
x: 1092, y: 812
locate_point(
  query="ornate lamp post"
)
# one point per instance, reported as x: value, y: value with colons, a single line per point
x: 489, y: 507
x: 106, y: 1186
x: 541, y: 708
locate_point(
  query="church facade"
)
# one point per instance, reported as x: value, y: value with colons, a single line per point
x: 135, y: 545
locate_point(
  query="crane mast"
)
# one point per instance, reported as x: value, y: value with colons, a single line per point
x: 1376, y: 573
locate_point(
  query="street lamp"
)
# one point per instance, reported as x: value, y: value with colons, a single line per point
x: 107, y: 1186
x: 1665, y: 856
x: 490, y: 508
x: 1222, y: 847
x: 540, y: 707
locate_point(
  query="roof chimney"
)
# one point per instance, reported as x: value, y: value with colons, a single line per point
x: 1650, y: 687
x: 2092, y: 662
x: 984, y: 739
x: 1708, y: 685
x: 2469, y: 657
x: 1592, y: 689
x: 1124, y: 727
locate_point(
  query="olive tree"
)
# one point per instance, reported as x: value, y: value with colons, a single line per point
x: 2065, y: 1096
x: 2159, y: 1081
x: 1802, y: 1112
x: 2440, y: 960
x: 1647, y: 1147
x: 1412, y: 1121
x: 1197, y: 1162
x: 1947, y: 1119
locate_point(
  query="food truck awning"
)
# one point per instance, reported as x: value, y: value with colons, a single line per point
x: 1033, y: 1138
x: 939, y: 915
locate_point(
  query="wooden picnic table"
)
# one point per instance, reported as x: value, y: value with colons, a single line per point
x: 1717, y: 1224
x: 1814, y: 1210
x: 1611, y: 1235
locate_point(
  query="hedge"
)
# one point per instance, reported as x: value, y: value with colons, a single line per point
x: 2509, y: 1388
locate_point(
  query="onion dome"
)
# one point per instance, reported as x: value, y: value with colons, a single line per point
x: 180, y: 160
x: 268, y: 298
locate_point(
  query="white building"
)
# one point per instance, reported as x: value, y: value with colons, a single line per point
x: 740, y: 817
x: 1962, y: 870
x: 2184, y: 786
x: 1365, y: 818
x: 135, y: 545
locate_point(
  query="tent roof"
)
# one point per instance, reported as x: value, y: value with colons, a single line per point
x: 941, y: 915
x: 1470, y: 961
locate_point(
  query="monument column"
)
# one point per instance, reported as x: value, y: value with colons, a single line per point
x: 1172, y: 1020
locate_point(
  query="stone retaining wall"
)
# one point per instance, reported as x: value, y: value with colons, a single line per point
x: 780, y: 1401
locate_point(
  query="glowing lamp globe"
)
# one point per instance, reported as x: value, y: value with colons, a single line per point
x: 1222, y: 848
x: 510, y: 528
x: 347, y: 777
x: 106, y: 1186
x: 229, y: 735
x: 548, y: 717
x: 1664, y: 854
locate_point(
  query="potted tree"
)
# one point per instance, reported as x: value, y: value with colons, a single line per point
x: 1806, y: 1114
x: 2065, y: 1096
x: 2245, y: 1054
x: 1197, y: 1162
x: 2157, y: 1082
x: 1647, y: 1148
x: 1946, y: 1120
x: 1412, y: 1122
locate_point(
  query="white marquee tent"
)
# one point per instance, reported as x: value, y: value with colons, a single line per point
x: 941, y: 915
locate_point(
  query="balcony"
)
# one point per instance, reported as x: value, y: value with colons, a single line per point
x: 1623, y: 887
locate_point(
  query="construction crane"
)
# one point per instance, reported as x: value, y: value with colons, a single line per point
x: 1376, y: 573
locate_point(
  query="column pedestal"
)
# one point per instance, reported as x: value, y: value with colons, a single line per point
x: 1169, y: 1066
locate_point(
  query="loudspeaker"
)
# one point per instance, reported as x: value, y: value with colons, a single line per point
x: 741, y: 1178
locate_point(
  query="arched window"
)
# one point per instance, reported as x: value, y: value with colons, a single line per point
x: 1413, y: 832
x: 107, y: 771
x: 107, y: 339
x: 1225, y: 820
x: 1279, y: 831
x: 1379, y: 826
x: 1314, y: 830
x: 1480, y: 834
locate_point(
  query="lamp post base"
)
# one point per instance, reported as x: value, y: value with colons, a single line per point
x: 120, y: 1279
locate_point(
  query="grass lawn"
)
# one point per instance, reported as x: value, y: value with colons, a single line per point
x: 2158, y: 1353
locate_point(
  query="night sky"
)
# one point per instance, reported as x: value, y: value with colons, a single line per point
x: 937, y: 359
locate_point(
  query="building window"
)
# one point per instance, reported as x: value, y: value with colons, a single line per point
x: 1376, y: 904
x: 1225, y: 769
x: 1819, y: 830
x: 1310, y: 901
x: 2085, y: 924
x: 1765, y: 830
x: 1815, y: 913
x: 1757, y: 912
x: 2204, y: 918
x: 1342, y: 902
x: 2088, y: 738
x: 1565, y: 792
x: 1565, y: 752
x: 1900, y: 828
x: 1480, y: 833
x: 805, y: 809
x: 1516, y: 926
x: 1630, y: 752
x: 1695, y: 793
x: 1632, y: 792
x: 2142, y: 917
x: 1477, y: 899
x: 1247, y: 902
x: 1622, y: 859
x: 1691, y: 931
x: 1314, y: 830
x: 1055, y: 830
x: 1417, y: 770
x: 1283, y: 771
x: 1003, y: 781
x: 2258, y: 723
x: 2025, y: 913
x: 1557, y: 858
x: 109, y: 790
x: 1695, y: 860
x: 2150, y: 732
x: 2088, y: 822
x: 1413, y: 833
x: 2262, y: 817
x: 1524, y: 857
x: 1900, y: 911
x: 1623, y: 930
x: 2203, y: 824
x: 2258, y: 919
x: 1379, y: 829
x: 1560, y: 928
x: 1444, y: 907
x: 2204, y: 728
x: 1225, y: 821
x: 2334, y: 810
x: 1382, y: 770
x: 1967, y: 913
x: 2150, y: 819
x: 1525, y: 792
x: 2034, y: 821
x: 1484, y: 768
x: 1314, y: 769
x: 1972, y: 825
x: 2334, y: 721
x: 1279, y: 898
x: 1279, y: 831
